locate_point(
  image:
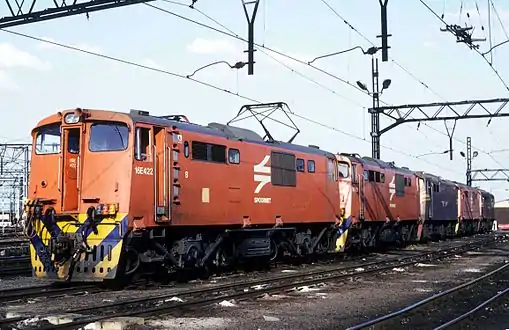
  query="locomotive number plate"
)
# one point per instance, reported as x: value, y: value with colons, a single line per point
x: 144, y: 170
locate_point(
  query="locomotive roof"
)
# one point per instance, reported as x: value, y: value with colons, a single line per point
x: 226, y: 131
x: 379, y: 163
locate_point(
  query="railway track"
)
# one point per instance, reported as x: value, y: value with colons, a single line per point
x: 165, y: 303
x: 14, y: 265
x: 403, y: 315
x: 52, y: 290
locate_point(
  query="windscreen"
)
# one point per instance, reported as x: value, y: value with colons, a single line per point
x: 47, y: 140
x: 108, y: 137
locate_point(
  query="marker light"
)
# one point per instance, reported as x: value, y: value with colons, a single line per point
x: 107, y: 209
x: 71, y: 118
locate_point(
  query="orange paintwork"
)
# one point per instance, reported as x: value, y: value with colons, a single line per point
x: 96, y: 177
x: 470, y: 205
x: 208, y: 193
x: 232, y: 189
x: 378, y: 205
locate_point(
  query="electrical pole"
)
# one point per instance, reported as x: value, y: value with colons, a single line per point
x: 469, y: 161
x: 384, y: 36
x: 375, y: 113
x: 250, y: 25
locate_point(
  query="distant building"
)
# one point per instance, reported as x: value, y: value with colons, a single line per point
x: 502, y: 214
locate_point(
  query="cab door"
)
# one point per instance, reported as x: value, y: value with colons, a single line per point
x: 151, y: 172
x: 143, y: 175
x: 162, y: 174
x: 71, y: 169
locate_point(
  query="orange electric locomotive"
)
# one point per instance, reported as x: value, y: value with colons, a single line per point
x: 114, y: 194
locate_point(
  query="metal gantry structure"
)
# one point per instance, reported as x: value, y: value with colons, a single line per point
x: 401, y: 114
x: 486, y: 174
x: 24, y: 12
x: 14, y: 178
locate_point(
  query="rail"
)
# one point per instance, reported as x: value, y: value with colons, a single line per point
x: 472, y: 311
x: 427, y: 300
x: 205, y: 296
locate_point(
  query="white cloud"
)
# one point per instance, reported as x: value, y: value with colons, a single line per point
x: 211, y: 46
x: 11, y: 57
x: 428, y: 44
x: 6, y: 83
x: 150, y: 63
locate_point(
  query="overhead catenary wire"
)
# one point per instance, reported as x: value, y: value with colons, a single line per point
x: 487, y: 61
x: 475, y: 49
x: 333, y: 10
x: 208, y: 85
x: 234, y: 35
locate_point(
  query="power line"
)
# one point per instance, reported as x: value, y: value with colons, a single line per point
x: 475, y: 49
x: 494, y: 70
x: 372, y: 44
x: 116, y: 59
x: 402, y: 68
x: 406, y: 71
x: 236, y: 36
x: 260, y: 47
x: 213, y: 87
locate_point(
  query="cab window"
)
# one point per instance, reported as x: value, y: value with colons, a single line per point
x: 47, y: 140
x: 142, y: 149
x: 343, y: 170
x: 108, y: 137
x: 73, y: 141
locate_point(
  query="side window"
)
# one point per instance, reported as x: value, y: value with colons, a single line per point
x: 300, y: 165
x: 186, y: 149
x: 233, y: 156
x: 311, y: 166
x: 400, y: 185
x: 382, y: 177
x: 142, y: 151
x: 436, y: 187
x: 354, y: 173
x: 283, y: 172
x: 365, y: 175
x: 73, y: 141
x: 208, y: 152
x: 343, y: 170
x: 330, y: 169
x: 48, y: 140
x: 371, y: 176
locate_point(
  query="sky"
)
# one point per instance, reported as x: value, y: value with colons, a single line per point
x: 425, y: 65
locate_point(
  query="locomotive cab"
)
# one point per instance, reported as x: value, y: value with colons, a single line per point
x: 79, y: 194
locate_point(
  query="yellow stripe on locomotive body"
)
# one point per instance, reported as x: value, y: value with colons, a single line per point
x: 101, y: 261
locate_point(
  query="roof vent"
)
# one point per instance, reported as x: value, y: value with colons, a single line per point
x: 313, y: 146
x: 139, y: 112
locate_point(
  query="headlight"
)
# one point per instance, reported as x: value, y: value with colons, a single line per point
x: 71, y: 118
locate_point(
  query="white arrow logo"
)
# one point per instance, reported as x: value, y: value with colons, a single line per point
x: 264, y: 178
x: 392, y: 188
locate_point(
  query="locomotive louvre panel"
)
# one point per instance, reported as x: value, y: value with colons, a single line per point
x: 209, y: 152
x: 283, y: 169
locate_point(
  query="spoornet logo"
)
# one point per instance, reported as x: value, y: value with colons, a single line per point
x: 262, y: 175
x: 392, y: 191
